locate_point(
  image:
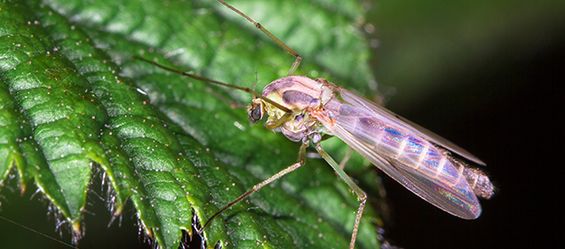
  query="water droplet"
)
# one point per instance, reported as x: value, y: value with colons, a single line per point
x: 139, y: 90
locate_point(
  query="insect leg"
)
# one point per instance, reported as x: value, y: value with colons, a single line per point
x: 360, y: 193
x: 345, y: 158
x: 258, y: 186
x: 277, y: 123
x: 297, y: 57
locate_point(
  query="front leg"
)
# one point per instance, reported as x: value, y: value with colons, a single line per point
x: 272, y: 124
x: 258, y: 186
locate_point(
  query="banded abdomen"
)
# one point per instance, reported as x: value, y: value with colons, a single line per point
x: 395, y: 143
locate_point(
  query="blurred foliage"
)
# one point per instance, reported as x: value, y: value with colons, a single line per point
x: 423, y: 43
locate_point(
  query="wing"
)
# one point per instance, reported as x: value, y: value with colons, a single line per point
x: 403, y: 153
x: 355, y: 100
x: 458, y: 199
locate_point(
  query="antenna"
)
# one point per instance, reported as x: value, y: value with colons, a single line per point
x: 215, y: 82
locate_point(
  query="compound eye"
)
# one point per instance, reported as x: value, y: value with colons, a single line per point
x: 255, y: 114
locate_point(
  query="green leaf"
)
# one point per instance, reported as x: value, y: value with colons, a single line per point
x: 72, y: 98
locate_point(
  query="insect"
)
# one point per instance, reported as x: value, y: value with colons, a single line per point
x: 305, y: 109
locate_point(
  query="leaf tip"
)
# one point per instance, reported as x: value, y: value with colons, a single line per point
x: 23, y: 188
x: 149, y: 233
x: 118, y: 211
x: 76, y: 228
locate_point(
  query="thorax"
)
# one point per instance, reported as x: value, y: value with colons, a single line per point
x: 302, y: 95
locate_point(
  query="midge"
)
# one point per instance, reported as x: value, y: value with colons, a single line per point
x: 305, y: 109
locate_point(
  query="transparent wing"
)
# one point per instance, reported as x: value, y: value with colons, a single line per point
x: 457, y: 199
x: 409, y: 155
x: 355, y: 100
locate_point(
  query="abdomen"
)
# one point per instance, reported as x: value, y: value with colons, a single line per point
x: 393, y: 142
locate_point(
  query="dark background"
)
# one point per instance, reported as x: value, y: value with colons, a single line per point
x: 484, y: 74
x: 490, y: 83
